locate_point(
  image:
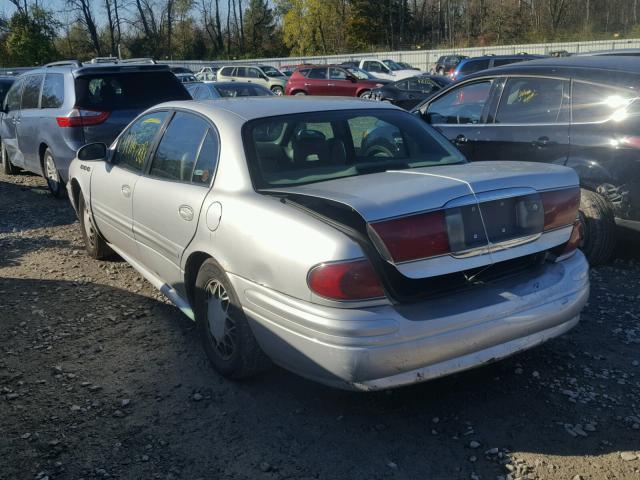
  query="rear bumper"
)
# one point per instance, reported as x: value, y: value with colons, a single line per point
x: 390, y: 346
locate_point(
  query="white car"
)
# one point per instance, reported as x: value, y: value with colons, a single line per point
x: 386, y: 70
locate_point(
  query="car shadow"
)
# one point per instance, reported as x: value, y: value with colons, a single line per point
x: 17, y: 210
x: 180, y: 414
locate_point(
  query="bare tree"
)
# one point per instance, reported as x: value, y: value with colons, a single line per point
x: 87, y: 20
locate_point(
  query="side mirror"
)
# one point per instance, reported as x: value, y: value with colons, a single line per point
x: 352, y: 78
x: 264, y: 77
x: 93, y: 152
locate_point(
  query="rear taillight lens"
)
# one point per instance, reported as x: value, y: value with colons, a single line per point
x: 417, y: 236
x: 82, y: 118
x: 560, y: 207
x: 350, y: 280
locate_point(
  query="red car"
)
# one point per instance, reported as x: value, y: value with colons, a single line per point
x: 334, y: 80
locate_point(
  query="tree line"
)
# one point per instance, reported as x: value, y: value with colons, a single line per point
x: 236, y: 29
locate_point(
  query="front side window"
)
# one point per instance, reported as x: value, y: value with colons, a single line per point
x: 373, y: 66
x: 403, y: 85
x: 463, y: 105
x: 12, y: 101
x: 531, y: 100
x: 227, y: 71
x: 53, y: 91
x: 135, y: 143
x: 241, y: 72
x: 318, y: 146
x: 337, y: 74
x: 253, y: 73
x: 177, y: 152
x: 272, y: 72
x: 31, y: 92
x: 598, y: 103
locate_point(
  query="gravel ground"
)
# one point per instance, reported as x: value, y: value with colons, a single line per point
x: 100, y: 377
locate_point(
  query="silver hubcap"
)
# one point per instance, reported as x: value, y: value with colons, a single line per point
x: 277, y: 91
x: 222, y: 327
x: 52, y: 172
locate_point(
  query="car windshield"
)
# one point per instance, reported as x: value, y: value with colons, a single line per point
x: 272, y: 72
x: 318, y: 146
x: 392, y: 65
x: 360, y: 74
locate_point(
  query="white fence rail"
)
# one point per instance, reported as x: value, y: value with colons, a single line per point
x: 425, y: 59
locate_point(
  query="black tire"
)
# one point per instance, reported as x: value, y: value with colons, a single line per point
x: 363, y: 93
x: 7, y: 166
x: 300, y: 93
x: 52, y: 175
x: 95, y: 245
x: 231, y: 347
x: 277, y: 90
x: 599, y: 227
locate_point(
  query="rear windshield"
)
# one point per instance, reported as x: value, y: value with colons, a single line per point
x: 123, y: 91
x: 242, y: 90
x: 317, y: 146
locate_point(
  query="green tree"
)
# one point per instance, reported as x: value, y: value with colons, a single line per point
x: 259, y: 26
x: 31, y: 37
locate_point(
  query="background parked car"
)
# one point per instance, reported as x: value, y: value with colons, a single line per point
x: 467, y: 66
x: 207, y: 74
x: 582, y: 112
x: 409, y: 92
x: 177, y: 70
x: 363, y: 266
x: 378, y: 69
x: 5, y: 85
x: 333, y: 80
x: 52, y: 111
x: 186, y: 77
x: 447, y: 63
x: 263, y: 75
x: 210, y: 91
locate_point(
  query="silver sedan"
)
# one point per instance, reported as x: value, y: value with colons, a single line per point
x: 344, y: 240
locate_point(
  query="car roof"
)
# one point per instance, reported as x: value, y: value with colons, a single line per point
x: 595, y: 68
x: 250, y: 108
x: 488, y: 57
x: 79, y: 69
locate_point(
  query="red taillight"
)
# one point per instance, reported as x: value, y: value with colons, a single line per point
x: 560, y: 207
x: 630, y: 141
x: 417, y: 236
x: 82, y: 118
x: 350, y: 280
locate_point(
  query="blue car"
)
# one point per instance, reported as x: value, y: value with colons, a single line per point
x: 52, y: 111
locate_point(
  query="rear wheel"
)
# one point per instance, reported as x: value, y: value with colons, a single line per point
x: 52, y: 175
x: 7, y: 166
x: 95, y: 245
x: 596, y: 215
x: 224, y: 330
x: 365, y: 94
x: 300, y: 94
x: 278, y: 90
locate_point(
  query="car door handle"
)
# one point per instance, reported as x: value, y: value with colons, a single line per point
x: 126, y: 190
x: 185, y: 212
x: 461, y: 139
x: 541, y: 142
x: 307, y: 84
x: 331, y: 84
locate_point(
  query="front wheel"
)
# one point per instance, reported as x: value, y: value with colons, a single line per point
x: 365, y: 94
x: 7, y: 166
x: 52, y: 175
x: 224, y: 330
x: 95, y: 245
x: 596, y: 215
x: 277, y: 90
x: 300, y: 94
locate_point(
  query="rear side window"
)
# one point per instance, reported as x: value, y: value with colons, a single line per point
x: 597, y: 103
x: 531, y: 100
x: 31, y: 92
x: 207, y: 160
x: 53, y: 91
x: 423, y: 85
x: 134, y: 144
x: 474, y: 66
x: 12, y: 102
x: 227, y: 71
x: 176, y: 156
x: 506, y: 61
x: 318, y: 73
x: 242, y: 90
x: 241, y: 72
x: 128, y: 91
x: 460, y: 106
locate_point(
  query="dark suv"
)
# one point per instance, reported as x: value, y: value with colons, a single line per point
x: 577, y: 111
x: 447, y: 63
x: 468, y: 66
x: 52, y: 111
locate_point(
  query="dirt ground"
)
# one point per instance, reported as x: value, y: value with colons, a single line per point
x: 100, y: 377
